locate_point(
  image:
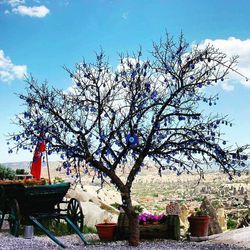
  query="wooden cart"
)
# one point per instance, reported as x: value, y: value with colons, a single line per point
x: 29, y: 204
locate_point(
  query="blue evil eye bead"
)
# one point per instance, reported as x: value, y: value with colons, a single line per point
x: 154, y: 94
x: 244, y: 157
x: 124, y: 84
x: 131, y: 139
x: 17, y: 137
x: 133, y: 74
x: 26, y: 115
x: 147, y: 85
x: 192, y: 66
x: 78, y: 124
x: 192, y: 77
x: 78, y: 84
x: 199, y: 85
x: 224, y: 142
x: 93, y: 109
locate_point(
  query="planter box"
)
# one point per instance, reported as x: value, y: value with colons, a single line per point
x: 151, y: 231
x: 165, y: 230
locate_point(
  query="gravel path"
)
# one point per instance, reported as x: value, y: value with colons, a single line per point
x: 8, y: 242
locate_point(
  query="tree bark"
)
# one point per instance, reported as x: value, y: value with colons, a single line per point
x: 133, y: 223
x: 134, y: 230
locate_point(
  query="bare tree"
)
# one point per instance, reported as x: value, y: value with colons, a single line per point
x: 146, y: 110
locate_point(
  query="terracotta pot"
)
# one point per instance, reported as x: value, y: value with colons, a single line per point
x: 106, y: 231
x: 198, y: 225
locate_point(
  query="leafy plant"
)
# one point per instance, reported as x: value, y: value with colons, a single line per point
x: 60, y: 228
x: 21, y: 171
x: 89, y: 230
x: 231, y: 223
x: 116, y: 205
x: 199, y: 212
x: 58, y: 180
x: 6, y: 173
x: 138, y: 208
x: 155, y: 195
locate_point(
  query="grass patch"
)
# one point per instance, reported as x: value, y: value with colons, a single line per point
x: 58, y: 228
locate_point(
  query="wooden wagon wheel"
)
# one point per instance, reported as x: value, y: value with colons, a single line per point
x: 75, y: 214
x: 14, y: 217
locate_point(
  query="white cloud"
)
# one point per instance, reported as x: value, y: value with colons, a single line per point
x: 35, y: 11
x: 234, y: 46
x: 9, y: 71
x: 6, y: 12
x: 227, y: 86
x: 15, y: 2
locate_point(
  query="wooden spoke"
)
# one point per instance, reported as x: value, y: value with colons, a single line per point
x: 75, y: 214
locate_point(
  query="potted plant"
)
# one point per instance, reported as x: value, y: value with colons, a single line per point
x: 198, y: 223
x: 106, y: 230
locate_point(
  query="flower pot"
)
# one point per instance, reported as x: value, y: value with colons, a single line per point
x: 198, y: 225
x: 106, y: 231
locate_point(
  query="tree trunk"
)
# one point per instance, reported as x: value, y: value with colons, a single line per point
x: 134, y: 230
x: 133, y: 223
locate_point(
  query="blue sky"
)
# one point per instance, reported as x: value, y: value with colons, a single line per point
x: 39, y: 37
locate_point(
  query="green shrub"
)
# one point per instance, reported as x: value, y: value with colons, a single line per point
x: 60, y: 228
x: 116, y: 205
x: 89, y: 230
x: 155, y: 195
x: 21, y: 171
x: 231, y: 223
x: 6, y: 173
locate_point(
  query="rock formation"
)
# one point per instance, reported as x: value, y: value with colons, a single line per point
x: 96, y: 206
x: 214, y: 226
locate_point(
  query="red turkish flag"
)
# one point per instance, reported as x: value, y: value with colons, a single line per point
x: 37, y: 160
